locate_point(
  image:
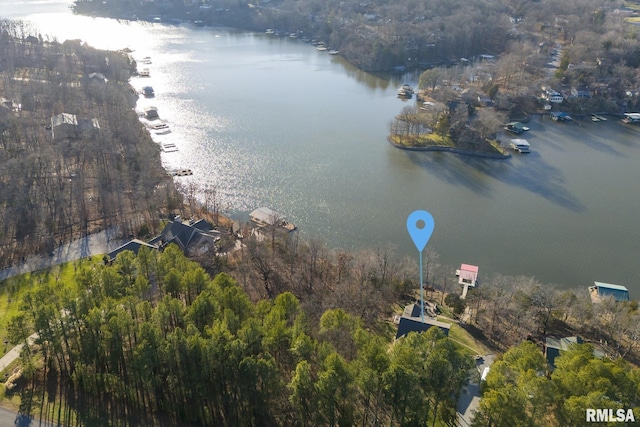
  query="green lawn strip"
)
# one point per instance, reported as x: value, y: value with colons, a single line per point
x: 462, y: 337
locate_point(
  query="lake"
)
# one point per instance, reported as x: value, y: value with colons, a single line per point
x: 274, y: 122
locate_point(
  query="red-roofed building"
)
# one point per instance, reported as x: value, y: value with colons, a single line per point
x: 468, y: 275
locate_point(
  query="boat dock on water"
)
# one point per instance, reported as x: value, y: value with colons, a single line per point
x: 520, y: 145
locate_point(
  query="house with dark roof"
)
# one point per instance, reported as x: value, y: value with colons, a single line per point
x: 553, y: 347
x: 63, y: 126
x: 411, y: 321
x: 133, y: 246
x: 197, y: 237
x: 88, y: 127
x: 98, y: 78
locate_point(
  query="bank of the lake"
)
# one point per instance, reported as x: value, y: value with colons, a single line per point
x: 452, y: 149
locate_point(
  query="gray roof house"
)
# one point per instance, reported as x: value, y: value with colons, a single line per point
x: 553, y: 347
x: 410, y: 321
x: 88, y: 127
x: 133, y: 246
x: 63, y: 126
x: 196, y: 237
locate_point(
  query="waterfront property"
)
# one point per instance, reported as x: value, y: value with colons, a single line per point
x: 192, y: 237
x: 265, y: 217
x: 520, y: 145
x: 63, y: 126
x: 151, y: 113
x: 411, y: 321
x: 132, y: 245
x: 467, y: 277
x: 603, y: 290
x: 553, y: 347
x: 632, y: 118
x: 560, y: 116
x: 515, y: 127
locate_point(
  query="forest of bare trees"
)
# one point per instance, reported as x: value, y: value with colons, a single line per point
x: 56, y: 188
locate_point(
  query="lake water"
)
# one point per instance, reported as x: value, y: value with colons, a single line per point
x: 273, y: 122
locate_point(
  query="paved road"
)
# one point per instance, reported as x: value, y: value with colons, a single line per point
x: 14, y: 353
x: 94, y: 244
x: 469, y: 400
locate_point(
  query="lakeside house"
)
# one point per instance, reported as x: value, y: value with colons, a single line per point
x: 97, y: 79
x: 605, y: 290
x: 411, y: 321
x: 88, y: 127
x: 553, y: 347
x: 132, y: 245
x: 193, y: 237
x: 63, y: 126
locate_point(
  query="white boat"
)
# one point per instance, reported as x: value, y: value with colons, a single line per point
x: 406, y: 88
x: 631, y: 118
x: 520, y: 145
x: 144, y: 72
x: 402, y: 93
x: 160, y: 128
x: 334, y: 52
x: 151, y: 112
x: 169, y: 148
x: 322, y: 48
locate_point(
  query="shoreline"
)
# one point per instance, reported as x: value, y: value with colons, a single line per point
x: 452, y: 150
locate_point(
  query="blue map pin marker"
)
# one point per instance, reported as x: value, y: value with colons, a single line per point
x: 420, y: 226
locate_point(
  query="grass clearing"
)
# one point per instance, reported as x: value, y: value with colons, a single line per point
x: 462, y: 337
x: 13, y: 289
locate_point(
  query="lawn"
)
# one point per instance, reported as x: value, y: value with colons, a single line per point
x: 462, y: 337
x: 12, y: 290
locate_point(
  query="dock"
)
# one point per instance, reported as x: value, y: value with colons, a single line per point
x: 467, y: 277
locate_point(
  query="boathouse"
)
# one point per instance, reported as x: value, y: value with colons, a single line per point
x: 604, y: 290
x: 467, y: 275
x: 265, y: 217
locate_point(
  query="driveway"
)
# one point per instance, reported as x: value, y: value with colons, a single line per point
x: 93, y: 244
